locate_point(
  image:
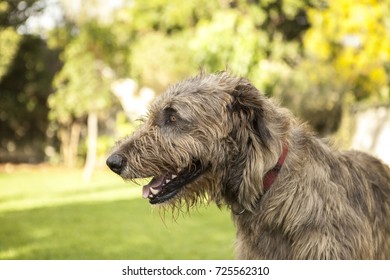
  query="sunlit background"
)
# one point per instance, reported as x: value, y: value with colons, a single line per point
x: 75, y: 76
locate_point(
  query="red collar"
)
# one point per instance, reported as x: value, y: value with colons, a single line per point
x: 271, y: 175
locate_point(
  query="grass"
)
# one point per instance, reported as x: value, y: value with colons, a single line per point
x: 50, y: 213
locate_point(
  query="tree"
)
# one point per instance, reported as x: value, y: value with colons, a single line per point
x: 9, y: 45
x: 157, y: 35
x: 354, y: 37
x: 82, y: 90
x: 249, y: 36
x: 173, y: 39
x: 346, y: 58
x: 13, y: 15
x: 27, y: 67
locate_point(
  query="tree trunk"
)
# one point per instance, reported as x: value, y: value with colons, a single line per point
x: 90, y: 161
x: 74, y: 143
x: 69, y: 137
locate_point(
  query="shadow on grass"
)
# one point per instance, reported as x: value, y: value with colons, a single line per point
x: 114, y: 230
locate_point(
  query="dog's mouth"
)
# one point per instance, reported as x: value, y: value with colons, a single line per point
x: 162, y: 188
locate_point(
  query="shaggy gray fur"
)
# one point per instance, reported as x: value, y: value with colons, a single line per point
x: 214, y: 137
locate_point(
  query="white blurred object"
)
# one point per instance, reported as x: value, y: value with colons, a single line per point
x: 372, y: 133
x: 134, y: 102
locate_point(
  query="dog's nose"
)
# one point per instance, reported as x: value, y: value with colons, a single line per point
x: 116, y: 163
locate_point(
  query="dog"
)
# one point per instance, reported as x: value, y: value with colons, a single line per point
x: 216, y: 138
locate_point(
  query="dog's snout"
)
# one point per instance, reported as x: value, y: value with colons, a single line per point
x: 116, y: 163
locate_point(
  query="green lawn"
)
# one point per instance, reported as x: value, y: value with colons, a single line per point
x: 50, y: 213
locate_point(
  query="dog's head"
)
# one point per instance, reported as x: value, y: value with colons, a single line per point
x: 208, y: 137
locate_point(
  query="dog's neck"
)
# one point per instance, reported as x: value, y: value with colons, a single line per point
x: 272, y: 174
x: 269, y: 177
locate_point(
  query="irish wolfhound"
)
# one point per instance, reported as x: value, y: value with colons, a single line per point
x: 292, y: 196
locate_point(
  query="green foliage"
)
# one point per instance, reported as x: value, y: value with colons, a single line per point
x: 229, y: 40
x: 157, y: 60
x: 123, y: 126
x: 314, y: 94
x: 15, y: 13
x: 311, y: 53
x: 169, y: 16
x: 159, y: 33
x: 354, y: 37
x: 346, y: 55
x: 9, y: 44
x: 12, y: 15
x: 173, y: 39
x: 55, y: 215
x: 160, y: 42
x: 82, y: 85
x: 24, y: 92
x: 27, y: 67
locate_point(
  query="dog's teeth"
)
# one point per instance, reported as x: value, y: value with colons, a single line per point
x: 154, y: 191
x: 167, y: 181
x: 173, y: 176
x: 150, y: 196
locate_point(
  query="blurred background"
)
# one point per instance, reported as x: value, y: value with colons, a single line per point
x: 76, y: 75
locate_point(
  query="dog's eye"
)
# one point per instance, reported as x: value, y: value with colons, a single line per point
x: 169, y: 116
x: 170, y: 119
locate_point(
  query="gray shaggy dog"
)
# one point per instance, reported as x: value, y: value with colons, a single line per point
x: 214, y: 137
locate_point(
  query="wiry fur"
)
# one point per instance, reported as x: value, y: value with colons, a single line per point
x: 324, y: 204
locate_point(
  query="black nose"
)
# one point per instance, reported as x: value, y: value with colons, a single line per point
x: 116, y: 163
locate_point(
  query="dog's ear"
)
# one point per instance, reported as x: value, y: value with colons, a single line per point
x: 253, y: 140
x: 258, y: 130
x: 247, y: 106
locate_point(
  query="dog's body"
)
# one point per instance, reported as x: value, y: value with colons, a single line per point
x: 216, y: 138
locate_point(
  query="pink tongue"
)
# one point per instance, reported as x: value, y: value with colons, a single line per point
x: 155, y: 183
